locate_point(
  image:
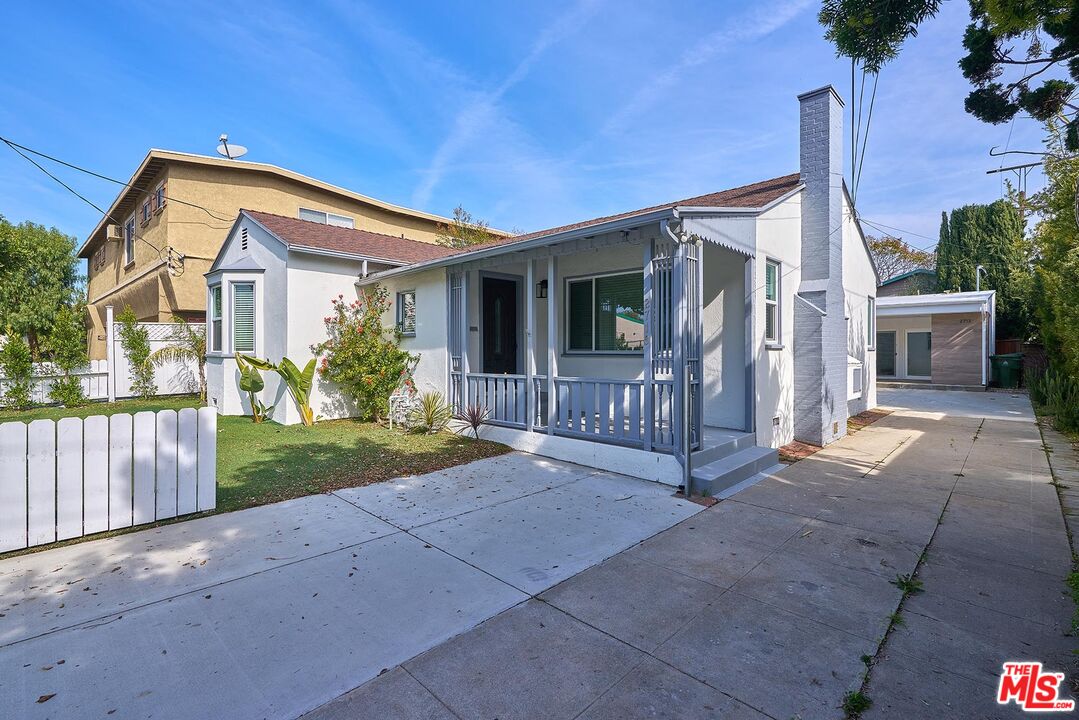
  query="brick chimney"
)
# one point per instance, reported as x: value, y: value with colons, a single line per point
x: 820, y: 328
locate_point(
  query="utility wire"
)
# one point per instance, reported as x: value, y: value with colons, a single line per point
x: 865, y: 138
x: 16, y: 146
x: 74, y: 192
x: 877, y: 225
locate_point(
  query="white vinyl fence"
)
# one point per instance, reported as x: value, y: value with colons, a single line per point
x: 173, y: 378
x: 72, y: 477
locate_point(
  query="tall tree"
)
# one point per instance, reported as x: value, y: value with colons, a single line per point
x: 1016, y: 51
x: 38, y: 276
x: 991, y: 236
x: 464, y: 230
x: 1055, y: 292
x: 894, y: 257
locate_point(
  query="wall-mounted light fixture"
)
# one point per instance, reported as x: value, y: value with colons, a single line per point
x: 541, y: 289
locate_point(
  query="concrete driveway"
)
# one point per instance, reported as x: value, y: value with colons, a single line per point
x: 270, y: 612
x: 778, y: 602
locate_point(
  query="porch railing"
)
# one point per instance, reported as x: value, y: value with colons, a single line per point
x: 597, y: 409
x: 502, y: 395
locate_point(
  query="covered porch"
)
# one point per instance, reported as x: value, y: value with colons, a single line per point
x: 616, y: 339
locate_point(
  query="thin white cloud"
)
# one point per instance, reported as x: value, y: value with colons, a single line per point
x: 483, y: 107
x: 762, y: 21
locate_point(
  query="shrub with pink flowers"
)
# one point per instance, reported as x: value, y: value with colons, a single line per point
x: 360, y: 355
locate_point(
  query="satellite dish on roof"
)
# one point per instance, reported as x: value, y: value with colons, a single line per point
x: 231, y: 152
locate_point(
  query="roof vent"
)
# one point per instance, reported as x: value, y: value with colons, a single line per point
x: 243, y: 238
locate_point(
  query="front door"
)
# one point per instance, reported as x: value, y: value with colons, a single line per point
x: 886, y: 353
x: 919, y: 354
x: 499, y: 325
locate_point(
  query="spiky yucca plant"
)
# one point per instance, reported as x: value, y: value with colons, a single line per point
x: 431, y: 413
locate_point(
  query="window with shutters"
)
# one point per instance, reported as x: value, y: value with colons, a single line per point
x: 771, y: 302
x: 159, y: 196
x: 215, y: 318
x: 129, y: 241
x: 605, y: 313
x: 243, y: 317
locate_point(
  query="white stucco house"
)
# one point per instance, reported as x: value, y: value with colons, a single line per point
x: 714, y: 329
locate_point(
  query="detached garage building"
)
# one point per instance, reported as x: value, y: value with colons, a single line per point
x: 939, y: 339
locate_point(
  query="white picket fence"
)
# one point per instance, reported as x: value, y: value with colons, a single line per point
x: 72, y: 477
x: 173, y: 378
x: 94, y: 379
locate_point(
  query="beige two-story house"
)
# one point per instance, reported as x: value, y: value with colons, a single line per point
x: 164, y: 229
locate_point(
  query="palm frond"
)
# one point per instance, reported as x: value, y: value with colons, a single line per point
x: 172, y: 353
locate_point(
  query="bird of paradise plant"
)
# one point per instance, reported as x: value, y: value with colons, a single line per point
x: 298, y: 381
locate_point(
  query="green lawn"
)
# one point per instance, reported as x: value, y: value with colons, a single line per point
x: 259, y: 464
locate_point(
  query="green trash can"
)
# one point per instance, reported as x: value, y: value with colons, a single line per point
x: 1006, y: 369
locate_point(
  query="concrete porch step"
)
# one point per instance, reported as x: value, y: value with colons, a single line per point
x: 718, y: 475
x: 720, y: 442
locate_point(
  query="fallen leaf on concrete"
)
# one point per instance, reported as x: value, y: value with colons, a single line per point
x: 46, y: 698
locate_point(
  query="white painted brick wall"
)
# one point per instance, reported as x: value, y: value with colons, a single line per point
x: 820, y: 353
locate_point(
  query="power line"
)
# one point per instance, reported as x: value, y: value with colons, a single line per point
x: 16, y: 146
x: 74, y: 192
x: 877, y: 225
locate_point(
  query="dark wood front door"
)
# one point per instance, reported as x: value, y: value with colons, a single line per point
x: 499, y: 325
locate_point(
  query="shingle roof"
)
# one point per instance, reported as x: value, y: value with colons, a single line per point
x: 756, y: 195
x: 346, y: 240
x: 376, y: 245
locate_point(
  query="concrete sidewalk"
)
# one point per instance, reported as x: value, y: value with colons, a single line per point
x: 771, y: 603
x: 270, y: 612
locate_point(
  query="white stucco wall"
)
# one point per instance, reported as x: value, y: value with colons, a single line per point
x: 779, y: 238
x: 432, y: 323
x: 724, y: 371
x: 313, y: 282
x: 222, y: 378
x: 860, y: 283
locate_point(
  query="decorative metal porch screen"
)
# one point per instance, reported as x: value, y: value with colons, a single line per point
x: 674, y: 334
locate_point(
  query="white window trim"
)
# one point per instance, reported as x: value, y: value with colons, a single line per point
x: 326, y: 215
x: 254, y: 321
x: 400, y: 312
x: 860, y: 371
x: 566, y: 317
x: 871, y: 320
x: 777, y: 341
x: 210, y: 349
x: 226, y: 281
x: 129, y: 241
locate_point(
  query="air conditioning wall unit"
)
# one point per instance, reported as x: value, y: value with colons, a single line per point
x: 114, y: 232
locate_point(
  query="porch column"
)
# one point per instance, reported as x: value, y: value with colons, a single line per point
x: 465, y: 287
x: 678, y: 348
x: 552, y: 343
x: 750, y: 421
x: 648, y: 421
x: 530, y: 342
x: 110, y: 353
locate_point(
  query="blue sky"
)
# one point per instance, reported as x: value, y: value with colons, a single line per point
x: 529, y: 115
